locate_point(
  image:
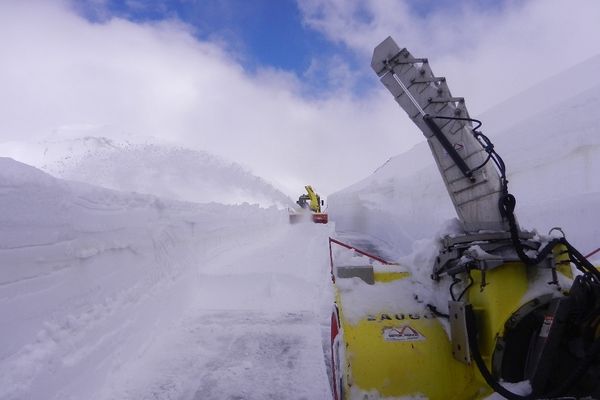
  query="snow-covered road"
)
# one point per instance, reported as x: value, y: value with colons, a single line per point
x: 255, y: 329
x: 113, y: 295
x: 232, y: 354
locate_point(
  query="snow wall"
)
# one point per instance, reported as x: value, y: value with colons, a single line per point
x: 91, y: 276
x: 553, y: 164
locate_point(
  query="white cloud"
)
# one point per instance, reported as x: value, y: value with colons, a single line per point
x: 60, y: 71
x: 124, y: 79
x: 488, y: 55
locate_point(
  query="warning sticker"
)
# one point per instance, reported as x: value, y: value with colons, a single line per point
x: 402, y: 334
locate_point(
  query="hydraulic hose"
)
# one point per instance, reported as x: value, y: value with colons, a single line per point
x: 474, y: 347
x: 507, y: 208
x: 578, y: 372
x: 507, y: 205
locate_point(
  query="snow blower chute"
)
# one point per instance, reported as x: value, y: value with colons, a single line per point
x: 309, y: 208
x: 522, y: 316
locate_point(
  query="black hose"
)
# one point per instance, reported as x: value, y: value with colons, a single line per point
x: 507, y: 208
x: 455, y: 281
x: 437, y: 312
x: 474, y: 347
x: 471, y: 282
x: 578, y: 372
x: 507, y: 205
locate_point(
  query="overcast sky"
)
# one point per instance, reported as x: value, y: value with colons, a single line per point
x: 283, y: 87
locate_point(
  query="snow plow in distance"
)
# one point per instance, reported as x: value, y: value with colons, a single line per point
x: 309, y: 208
x: 513, y: 312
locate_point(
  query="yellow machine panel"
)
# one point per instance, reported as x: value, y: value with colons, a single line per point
x: 389, y: 354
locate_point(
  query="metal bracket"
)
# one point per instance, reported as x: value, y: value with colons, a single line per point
x: 364, y: 272
x: 455, y: 254
x: 458, y: 332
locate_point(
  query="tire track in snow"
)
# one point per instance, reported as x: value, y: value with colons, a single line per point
x: 255, y: 332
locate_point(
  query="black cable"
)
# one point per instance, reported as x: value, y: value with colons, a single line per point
x: 460, y: 119
x: 507, y: 205
x: 455, y: 281
x: 487, y: 145
x: 578, y: 372
x: 437, y: 312
x: 485, y: 373
x: 482, y: 164
x: 471, y: 282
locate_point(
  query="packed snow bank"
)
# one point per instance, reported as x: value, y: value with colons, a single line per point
x: 158, y: 169
x: 90, y: 278
x: 552, y: 158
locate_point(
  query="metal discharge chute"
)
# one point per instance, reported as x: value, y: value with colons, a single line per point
x: 473, y: 184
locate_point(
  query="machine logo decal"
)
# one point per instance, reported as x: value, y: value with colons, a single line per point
x: 402, y: 334
x: 398, y: 317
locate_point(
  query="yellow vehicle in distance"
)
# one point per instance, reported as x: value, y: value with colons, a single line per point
x: 310, y: 208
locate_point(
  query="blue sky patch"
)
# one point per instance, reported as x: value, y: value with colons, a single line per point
x: 262, y: 33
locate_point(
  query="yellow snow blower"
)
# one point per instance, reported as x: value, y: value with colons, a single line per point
x: 309, y: 208
x: 520, y: 314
